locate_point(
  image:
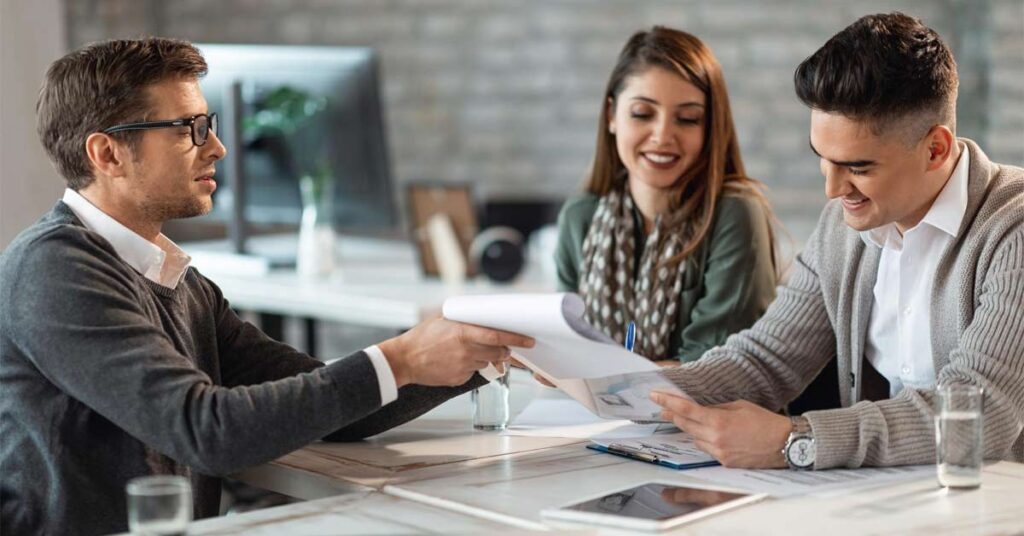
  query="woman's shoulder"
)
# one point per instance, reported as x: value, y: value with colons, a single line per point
x: 740, y: 215
x: 740, y: 203
x: 578, y: 210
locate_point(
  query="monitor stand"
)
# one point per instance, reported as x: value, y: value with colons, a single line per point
x: 235, y: 254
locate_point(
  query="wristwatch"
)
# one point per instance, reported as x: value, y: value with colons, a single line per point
x: 800, y: 449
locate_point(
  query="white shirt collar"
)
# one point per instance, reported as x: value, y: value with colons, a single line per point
x: 946, y: 213
x: 163, y: 263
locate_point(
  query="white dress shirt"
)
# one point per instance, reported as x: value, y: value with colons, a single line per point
x: 164, y: 263
x: 899, y: 341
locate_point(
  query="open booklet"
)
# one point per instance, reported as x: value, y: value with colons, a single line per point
x: 589, y: 366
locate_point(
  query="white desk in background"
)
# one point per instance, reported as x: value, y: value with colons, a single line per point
x: 377, y: 283
x: 438, y: 460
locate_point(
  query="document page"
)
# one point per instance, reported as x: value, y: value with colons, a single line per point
x: 564, y: 417
x: 628, y: 395
x: 786, y: 483
x: 566, y: 346
x: 597, y: 372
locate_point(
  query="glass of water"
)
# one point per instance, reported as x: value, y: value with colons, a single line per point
x: 490, y: 403
x: 159, y: 505
x: 958, y: 435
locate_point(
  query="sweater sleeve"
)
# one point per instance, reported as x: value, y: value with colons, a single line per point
x: 413, y: 401
x: 738, y: 279
x: 901, y: 430
x: 771, y: 362
x: 249, y: 357
x: 75, y: 314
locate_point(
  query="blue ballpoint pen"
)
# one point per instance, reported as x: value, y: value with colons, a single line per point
x: 630, y: 336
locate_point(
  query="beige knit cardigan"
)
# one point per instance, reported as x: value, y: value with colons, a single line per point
x: 823, y: 312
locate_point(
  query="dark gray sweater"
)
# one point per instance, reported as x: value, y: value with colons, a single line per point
x: 106, y: 376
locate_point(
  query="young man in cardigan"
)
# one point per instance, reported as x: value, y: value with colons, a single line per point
x: 913, y: 278
x: 117, y: 360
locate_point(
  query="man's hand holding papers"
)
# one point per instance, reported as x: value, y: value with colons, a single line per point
x: 737, y: 434
x: 441, y: 352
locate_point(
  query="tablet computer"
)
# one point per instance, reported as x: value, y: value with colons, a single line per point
x: 652, y: 506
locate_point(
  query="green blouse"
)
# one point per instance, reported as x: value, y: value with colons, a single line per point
x: 729, y: 282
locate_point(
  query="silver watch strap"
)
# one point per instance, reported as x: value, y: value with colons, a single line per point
x: 801, y: 426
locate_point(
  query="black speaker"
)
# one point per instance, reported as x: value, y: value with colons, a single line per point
x: 498, y: 253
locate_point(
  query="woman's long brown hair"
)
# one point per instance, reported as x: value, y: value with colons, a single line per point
x: 718, y: 169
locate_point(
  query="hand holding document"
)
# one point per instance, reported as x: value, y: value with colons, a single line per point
x: 586, y: 364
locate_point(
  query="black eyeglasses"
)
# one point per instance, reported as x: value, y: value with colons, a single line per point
x: 201, y: 126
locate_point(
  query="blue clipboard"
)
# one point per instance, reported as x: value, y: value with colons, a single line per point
x: 650, y: 458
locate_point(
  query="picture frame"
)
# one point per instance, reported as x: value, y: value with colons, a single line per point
x: 454, y: 200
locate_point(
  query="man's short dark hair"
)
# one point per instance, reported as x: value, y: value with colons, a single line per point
x: 100, y: 86
x: 889, y: 70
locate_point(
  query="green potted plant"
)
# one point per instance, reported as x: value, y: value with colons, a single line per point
x: 286, y: 115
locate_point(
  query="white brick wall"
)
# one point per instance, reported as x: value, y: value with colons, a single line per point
x: 1007, y: 84
x: 506, y: 94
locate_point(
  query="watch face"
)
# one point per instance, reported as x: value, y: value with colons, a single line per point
x: 801, y: 452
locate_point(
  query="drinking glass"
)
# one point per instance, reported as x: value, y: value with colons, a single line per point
x: 958, y: 436
x: 490, y: 404
x: 159, y: 505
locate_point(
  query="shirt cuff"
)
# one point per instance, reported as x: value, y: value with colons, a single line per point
x: 385, y: 377
x: 490, y: 372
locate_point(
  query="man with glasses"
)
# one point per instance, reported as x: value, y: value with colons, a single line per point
x: 200, y: 126
x: 117, y: 360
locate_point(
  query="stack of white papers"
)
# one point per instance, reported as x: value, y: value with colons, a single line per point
x: 564, y: 417
x: 785, y: 482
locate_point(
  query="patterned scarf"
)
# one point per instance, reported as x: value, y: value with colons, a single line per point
x: 616, y: 292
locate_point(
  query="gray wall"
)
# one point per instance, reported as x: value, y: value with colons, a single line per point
x: 506, y: 94
x: 31, y: 36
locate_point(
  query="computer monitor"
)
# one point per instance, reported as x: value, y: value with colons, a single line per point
x: 349, y: 133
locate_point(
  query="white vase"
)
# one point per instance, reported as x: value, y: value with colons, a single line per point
x: 315, y: 255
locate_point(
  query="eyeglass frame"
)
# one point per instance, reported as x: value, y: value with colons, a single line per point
x: 190, y: 122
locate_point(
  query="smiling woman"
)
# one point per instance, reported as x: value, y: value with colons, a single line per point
x: 671, y: 234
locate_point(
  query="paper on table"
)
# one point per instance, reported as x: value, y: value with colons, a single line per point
x: 587, y: 365
x: 785, y: 483
x: 564, y: 417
